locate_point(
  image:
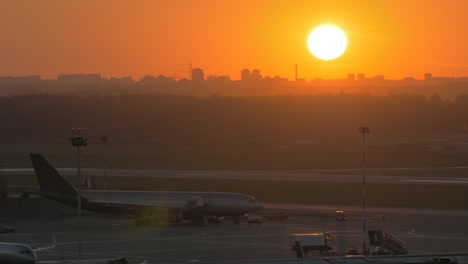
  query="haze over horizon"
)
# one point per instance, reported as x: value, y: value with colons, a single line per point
x: 126, y: 38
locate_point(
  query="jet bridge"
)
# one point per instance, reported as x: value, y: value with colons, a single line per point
x: 388, y: 244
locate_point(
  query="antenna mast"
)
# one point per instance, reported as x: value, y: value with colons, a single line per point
x: 190, y: 71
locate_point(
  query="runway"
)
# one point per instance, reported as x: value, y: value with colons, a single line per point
x: 338, y: 176
x: 425, y: 231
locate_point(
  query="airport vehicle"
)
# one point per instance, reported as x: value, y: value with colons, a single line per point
x: 157, y: 206
x: 255, y: 220
x: 314, y: 241
x: 13, y: 253
x: 386, y: 244
x: 340, y: 216
x: 280, y: 216
x: 215, y: 219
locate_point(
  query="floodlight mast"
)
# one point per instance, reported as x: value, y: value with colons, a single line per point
x: 104, y: 139
x: 78, y: 141
x: 364, y: 130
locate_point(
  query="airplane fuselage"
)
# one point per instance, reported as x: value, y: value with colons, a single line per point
x: 138, y: 203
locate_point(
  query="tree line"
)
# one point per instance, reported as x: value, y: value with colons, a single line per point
x: 179, y: 119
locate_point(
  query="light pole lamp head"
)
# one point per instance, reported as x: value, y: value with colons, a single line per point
x: 364, y: 130
x: 79, y: 141
x: 77, y: 138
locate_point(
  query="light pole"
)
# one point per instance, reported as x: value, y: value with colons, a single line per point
x: 104, y: 141
x: 78, y: 141
x: 364, y: 130
x: 3, y: 188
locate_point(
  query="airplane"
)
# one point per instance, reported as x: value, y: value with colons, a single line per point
x: 150, y: 206
x: 14, y: 253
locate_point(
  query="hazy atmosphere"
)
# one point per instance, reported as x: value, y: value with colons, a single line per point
x: 219, y: 131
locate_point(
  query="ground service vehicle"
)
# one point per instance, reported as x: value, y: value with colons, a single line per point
x: 314, y: 241
x: 255, y: 220
x: 280, y: 216
x: 340, y: 216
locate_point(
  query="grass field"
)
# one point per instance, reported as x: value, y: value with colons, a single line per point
x: 225, y: 156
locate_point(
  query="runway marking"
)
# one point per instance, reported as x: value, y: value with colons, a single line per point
x: 434, y: 181
x: 437, y: 237
x: 242, y: 173
x: 196, y: 174
x: 111, y: 255
x: 202, y: 234
x: 134, y: 240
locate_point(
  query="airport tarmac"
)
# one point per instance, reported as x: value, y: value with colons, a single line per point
x: 425, y: 231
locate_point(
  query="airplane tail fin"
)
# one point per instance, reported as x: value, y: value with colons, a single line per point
x: 49, y: 179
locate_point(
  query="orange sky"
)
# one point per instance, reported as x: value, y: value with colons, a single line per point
x: 394, y: 38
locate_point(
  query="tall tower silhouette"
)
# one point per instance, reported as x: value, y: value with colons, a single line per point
x: 198, y: 75
x: 190, y: 71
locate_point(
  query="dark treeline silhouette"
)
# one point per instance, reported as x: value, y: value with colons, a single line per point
x: 174, y: 119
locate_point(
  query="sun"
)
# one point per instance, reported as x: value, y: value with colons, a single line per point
x: 327, y: 42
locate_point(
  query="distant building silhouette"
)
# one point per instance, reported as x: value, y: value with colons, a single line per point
x: 224, y: 78
x: 6, y: 79
x: 79, y: 78
x: 428, y: 76
x: 245, y: 75
x: 257, y: 84
x: 214, y: 80
x: 211, y: 78
x: 128, y: 80
x: 378, y: 78
x: 256, y: 75
x: 198, y: 75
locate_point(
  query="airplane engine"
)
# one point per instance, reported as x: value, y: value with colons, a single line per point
x: 155, y: 216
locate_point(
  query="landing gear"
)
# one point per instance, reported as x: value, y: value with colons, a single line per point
x: 199, y: 219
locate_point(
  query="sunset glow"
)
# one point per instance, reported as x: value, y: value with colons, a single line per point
x: 396, y: 39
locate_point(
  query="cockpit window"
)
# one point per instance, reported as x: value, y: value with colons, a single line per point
x: 252, y: 200
x: 26, y: 251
